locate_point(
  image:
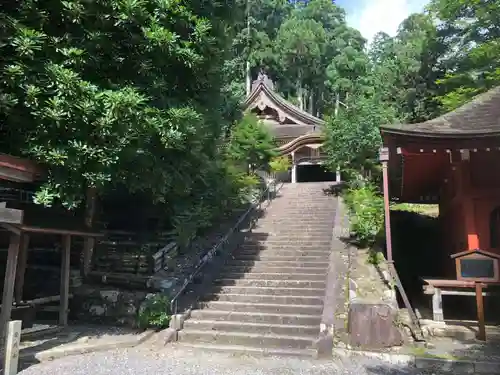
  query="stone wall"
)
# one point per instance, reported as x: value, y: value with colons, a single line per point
x: 115, y: 306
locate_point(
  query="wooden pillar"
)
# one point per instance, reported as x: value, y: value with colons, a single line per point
x: 21, y: 267
x: 384, y: 159
x: 480, y: 312
x: 9, y: 280
x: 294, y: 168
x: 468, y: 204
x: 65, y: 268
x: 89, y: 242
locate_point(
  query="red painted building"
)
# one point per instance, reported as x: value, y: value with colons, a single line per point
x: 453, y: 161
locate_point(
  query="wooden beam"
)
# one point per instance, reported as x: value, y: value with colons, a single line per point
x: 11, y: 228
x: 11, y: 215
x: 63, y: 232
x: 15, y: 175
x: 8, y: 285
x: 66, y: 252
x: 21, y: 267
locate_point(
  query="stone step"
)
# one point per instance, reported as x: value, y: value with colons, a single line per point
x: 290, y: 230
x: 262, y: 307
x: 247, y: 339
x: 303, y: 220
x: 301, y: 264
x: 280, y: 226
x: 262, y: 328
x: 309, y: 214
x: 263, y: 267
x: 272, y: 258
x: 288, y: 214
x: 269, y: 291
x: 271, y: 283
x: 292, y: 239
x: 293, y: 234
x: 256, y: 298
x: 265, y: 318
x: 274, y: 276
x: 324, y: 254
x: 285, y: 246
x: 299, y: 229
x: 250, y: 350
x: 295, y: 242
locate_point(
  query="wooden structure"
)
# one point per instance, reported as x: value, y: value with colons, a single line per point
x: 452, y: 161
x: 449, y: 161
x: 298, y: 133
x: 19, y: 170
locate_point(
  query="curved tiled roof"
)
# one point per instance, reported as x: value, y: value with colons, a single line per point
x: 300, y: 142
x: 480, y: 117
x: 263, y: 96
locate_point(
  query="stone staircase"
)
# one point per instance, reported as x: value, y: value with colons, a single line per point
x: 269, y: 296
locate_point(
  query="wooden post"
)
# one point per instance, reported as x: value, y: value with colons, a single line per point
x: 384, y: 159
x: 8, y: 285
x: 65, y: 264
x: 480, y: 312
x: 89, y: 242
x: 11, y: 354
x: 21, y: 267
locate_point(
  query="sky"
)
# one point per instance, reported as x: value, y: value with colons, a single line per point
x: 372, y: 16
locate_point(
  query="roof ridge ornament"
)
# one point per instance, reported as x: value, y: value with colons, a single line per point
x: 263, y: 79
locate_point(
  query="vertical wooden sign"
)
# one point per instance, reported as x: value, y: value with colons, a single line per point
x: 11, y: 360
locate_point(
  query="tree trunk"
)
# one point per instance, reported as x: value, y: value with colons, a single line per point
x: 248, y: 78
x: 89, y: 243
x: 337, y: 104
x: 311, y: 102
x: 300, y: 93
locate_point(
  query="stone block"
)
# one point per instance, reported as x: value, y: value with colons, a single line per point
x: 177, y: 321
x: 324, y: 345
x: 107, y: 305
x: 167, y: 335
x: 373, y: 325
x: 486, y: 367
x: 446, y: 365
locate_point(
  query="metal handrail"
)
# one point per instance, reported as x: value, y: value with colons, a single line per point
x: 209, y: 255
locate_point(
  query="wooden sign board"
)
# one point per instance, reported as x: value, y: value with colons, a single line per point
x: 10, y: 215
x: 477, y: 265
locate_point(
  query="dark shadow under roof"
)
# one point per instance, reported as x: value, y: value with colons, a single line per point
x: 479, y: 117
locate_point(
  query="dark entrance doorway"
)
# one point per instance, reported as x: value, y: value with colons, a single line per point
x: 314, y: 173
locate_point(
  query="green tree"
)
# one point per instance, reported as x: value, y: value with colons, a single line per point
x: 115, y: 92
x: 251, y: 144
x: 353, y: 137
x: 470, y: 32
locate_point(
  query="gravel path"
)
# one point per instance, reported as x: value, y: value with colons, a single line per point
x: 182, y: 361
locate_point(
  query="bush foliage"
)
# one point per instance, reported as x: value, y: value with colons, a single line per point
x: 366, y: 208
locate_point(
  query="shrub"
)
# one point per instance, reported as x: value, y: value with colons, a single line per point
x: 154, y: 312
x: 279, y: 164
x: 366, y: 208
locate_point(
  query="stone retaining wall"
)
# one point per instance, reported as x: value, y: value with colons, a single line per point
x: 115, y: 306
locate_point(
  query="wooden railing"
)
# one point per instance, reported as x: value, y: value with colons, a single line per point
x: 159, y: 259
